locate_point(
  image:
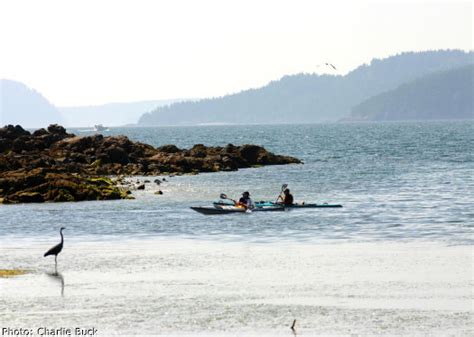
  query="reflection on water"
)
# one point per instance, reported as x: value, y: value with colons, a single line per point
x: 57, y: 277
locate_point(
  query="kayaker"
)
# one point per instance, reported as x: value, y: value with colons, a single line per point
x: 287, y: 199
x: 246, y: 201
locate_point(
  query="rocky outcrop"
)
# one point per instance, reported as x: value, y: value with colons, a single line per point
x: 41, y: 184
x: 53, y: 165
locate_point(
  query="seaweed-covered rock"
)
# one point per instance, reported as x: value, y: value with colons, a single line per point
x: 42, y: 185
x: 53, y: 165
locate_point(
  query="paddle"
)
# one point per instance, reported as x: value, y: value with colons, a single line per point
x: 283, y: 187
x: 225, y: 197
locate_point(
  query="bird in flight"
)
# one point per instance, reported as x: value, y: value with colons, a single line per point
x: 327, y: 64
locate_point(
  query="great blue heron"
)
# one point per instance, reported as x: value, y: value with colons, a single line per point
x: 56, y: 249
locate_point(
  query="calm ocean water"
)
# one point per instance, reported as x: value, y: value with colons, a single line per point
x: 397, y: 181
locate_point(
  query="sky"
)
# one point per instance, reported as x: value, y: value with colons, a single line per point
x: 89, y: 52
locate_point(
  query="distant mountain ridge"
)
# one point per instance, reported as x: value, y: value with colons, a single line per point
x: 309, y: 98
x: 300, y: 98
x: 20, y: 104
x: 440, y: 95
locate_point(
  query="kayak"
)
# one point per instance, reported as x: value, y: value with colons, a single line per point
x: 225, y: 209
x: 300, y: 205
x: 261, y: 204
x: 314, y: 206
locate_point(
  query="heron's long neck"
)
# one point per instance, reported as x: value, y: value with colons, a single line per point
x: 62, y: 238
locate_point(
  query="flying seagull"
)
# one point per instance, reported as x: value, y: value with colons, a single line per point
x: 327, y: 64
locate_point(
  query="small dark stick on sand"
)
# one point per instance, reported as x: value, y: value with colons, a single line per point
x: 293, y: 326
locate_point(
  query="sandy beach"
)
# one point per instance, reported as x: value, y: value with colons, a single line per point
x: 190, y: 287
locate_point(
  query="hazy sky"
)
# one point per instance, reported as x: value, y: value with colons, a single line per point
x: 90, y: 52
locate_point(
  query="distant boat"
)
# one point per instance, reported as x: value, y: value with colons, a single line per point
x: 100, y: 127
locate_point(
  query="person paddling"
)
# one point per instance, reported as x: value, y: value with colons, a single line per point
x: 246, y: 201
x: 287, y: 198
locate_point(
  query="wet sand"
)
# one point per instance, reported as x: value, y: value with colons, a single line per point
x: 190, y: 287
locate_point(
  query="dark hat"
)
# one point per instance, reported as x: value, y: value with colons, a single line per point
x: 246, y: 193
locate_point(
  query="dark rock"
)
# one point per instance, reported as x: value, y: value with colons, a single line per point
x: 229, y: 148
x: 114, y: 154
x: 39, y: 185
x: 27, y: 197
x: 82, y: 144
x: 5, y: 144
x: 57, y: 129
x: 13, y: 132
x: 228, y: 164
x: 250, y: 153
x: 18, y: 145
x: 40, y: 132
x: 59, y: 166
x: 78, y: 158
x: 168, y: 149
x: 141, y: 187
x: 198, y: 151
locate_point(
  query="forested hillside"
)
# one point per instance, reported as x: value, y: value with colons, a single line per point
x: 307, y: 98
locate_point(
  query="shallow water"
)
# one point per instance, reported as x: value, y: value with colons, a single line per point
x: 395, y: 260
x: 194, y: 287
